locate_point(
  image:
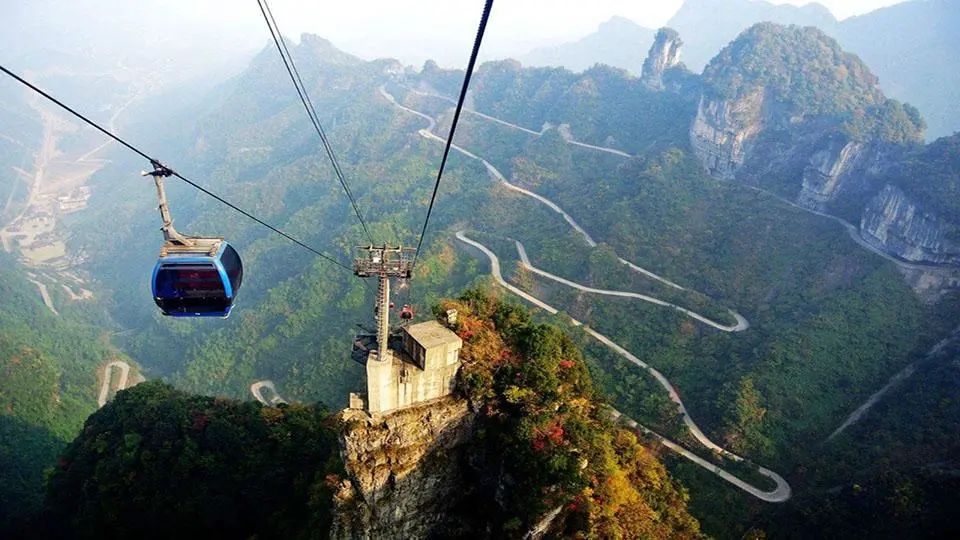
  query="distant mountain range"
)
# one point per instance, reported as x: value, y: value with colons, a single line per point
x: 912, y: 46
x: 706, y: 26
x: 606, y: 45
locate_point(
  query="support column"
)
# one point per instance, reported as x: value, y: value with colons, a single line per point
x: 383, y: 317
x: 169, y: 233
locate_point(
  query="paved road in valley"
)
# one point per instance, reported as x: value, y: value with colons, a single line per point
x: 493, y: 171
x: 782, y: 491
x: 563, y: 129
x: 894, y: 381
x: 257, y: 390
x: 742, y: 323
x: 107, y: 375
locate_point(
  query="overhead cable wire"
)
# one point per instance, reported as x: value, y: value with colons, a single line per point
x: 456, y: 117
x: 294, y: 73
x: 158, y: 164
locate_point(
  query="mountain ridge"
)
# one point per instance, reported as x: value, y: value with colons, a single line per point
x: 605, y: 146
x: 605, y: 45
x: 914, y: 60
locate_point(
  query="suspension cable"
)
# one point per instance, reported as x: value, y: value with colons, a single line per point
x: 294, y: 73
x: 456, y: 117
x: 157, y: 163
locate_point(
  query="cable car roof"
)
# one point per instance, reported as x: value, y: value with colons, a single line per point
x: 202, y: 247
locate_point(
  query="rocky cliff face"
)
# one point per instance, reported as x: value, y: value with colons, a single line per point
x: 404, y: 472
x: 841, y: 167
x: 723, y: 131
x: 664, y: 54
x: 896, y: 224
x: 831, y: 150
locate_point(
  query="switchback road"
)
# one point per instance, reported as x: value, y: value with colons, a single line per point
x: 257, y: 390
x: 742, y: 323
x: 782, y: 491
x: 107, y: 375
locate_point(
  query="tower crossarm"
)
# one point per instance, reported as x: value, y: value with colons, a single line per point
x: 383, y: 262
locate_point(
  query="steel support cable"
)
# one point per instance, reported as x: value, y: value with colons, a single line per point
x: 294, y: 73
x: 456, y: 117
x: 158, y: 164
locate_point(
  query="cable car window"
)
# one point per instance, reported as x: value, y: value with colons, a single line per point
x: 198, y: 281
x: 233, y: 267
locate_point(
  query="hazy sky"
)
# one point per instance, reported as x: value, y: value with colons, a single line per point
x: 411, y: 30
x: 375, y: 27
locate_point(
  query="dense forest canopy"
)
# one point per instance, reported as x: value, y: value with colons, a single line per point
x: 160, y: 462
x: 932, y: 174
x: 157, y: 462
x: 544, y: 424
x: 809, y: 70
x: 822, y: 335
x: 48, y: 373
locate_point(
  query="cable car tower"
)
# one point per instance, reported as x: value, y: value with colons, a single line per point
x: 383, y: 262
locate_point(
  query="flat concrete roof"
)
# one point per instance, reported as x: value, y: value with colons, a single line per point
x: 432, y: 334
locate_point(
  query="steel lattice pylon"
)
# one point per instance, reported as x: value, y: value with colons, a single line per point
x: 383, y: 262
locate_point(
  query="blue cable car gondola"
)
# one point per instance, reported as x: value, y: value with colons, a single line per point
x: 194, y: 277
x: 197, y: 281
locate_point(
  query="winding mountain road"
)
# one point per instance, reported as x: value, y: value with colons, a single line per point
x: 107, y: 376
x: 852, y: 231
x: 497, y: 175
x: 781, y: 493
x: 564, y: 130
x: 257, y: 390
x: 742, y: 323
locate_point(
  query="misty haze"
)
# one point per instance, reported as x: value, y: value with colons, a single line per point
x: 466, y: 269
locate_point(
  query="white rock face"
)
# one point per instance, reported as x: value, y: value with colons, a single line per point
x: 404, y: 471
x: 722, y: 132
x: 664, y: 54
x: 896, y: 224
x: 822, y: 179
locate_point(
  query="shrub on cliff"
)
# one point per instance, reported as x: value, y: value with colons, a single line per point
x: 547, y: 437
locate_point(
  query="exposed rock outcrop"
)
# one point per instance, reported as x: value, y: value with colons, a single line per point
x: 931, y: 284
x: 664, y: 54
x: 898, y: 225
x: 724, y: 129
x: 834, y: 146
x: 405, y: 471
x: 841, y: 167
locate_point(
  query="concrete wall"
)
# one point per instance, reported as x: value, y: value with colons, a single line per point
x: 393, y: 383
x: 424, y: 371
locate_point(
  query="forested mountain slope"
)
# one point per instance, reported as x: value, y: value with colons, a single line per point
x: 159, y: 462
x: 911, y: 46
x: 711, y: 24
x: 50, y: 369
x: 615, y: 155
x: 819, y: 338
x: 787, y: 110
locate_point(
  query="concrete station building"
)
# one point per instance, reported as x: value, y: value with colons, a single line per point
x: 425, y: 368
